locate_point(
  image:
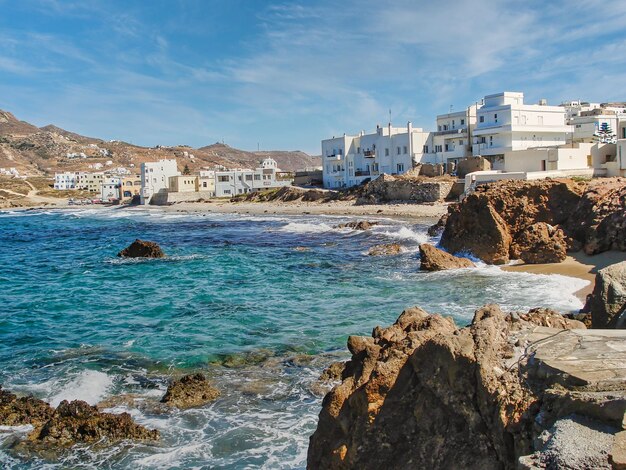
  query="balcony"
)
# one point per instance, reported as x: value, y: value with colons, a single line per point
x: 334, y: 156
x: 361, y: 173
x: 460, y: 130
x: 369, y: 153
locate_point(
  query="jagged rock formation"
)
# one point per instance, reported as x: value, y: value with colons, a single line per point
x: 16, y: 411
x: 434, y: 259
x: 75, y: 422
x: 417, y: 189
x: 142, y: 249
x: 386, y: 249
x: 607, y: 303
x: 437, y: 228
x: 535, y: 220
x: 423, y: 393
x: 190, y: 391
x: 358, y: 225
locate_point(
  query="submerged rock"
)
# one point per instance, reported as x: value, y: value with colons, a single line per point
x: 607, y: 302
x: 387, y: 249
x: 78, y: 422
x: 142, y: 249
x: 191, y: 391
x: 16, y: 411
x: 358, y: 225
x: 434, y: 259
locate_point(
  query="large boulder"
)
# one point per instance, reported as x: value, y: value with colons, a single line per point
x: 434, y: 259
x: 190, y: 391
x: 540, y: 243
x: 387, y: 249
x: 16, y: 411
x: 78, y: 422
x: 424, y: 393
x: 599, y: 221
x: 607, y: 302
x: 142, y: 249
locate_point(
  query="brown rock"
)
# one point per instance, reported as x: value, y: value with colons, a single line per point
x: 142, y: 249
x: 358, y: 225
x: 24, y: 410
x: 191, y: 391
x: 78, y: 422
x: 551, y: 319
x: 607, y: 302
x: 618, y: 452
x: 434, y: 259
x: 387, y: 249
x: 540, y: 243
x: 437, y: 229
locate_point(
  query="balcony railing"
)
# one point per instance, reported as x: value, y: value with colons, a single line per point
x: 369, y: 153
x: 460, y: 130
x: 361, y: 173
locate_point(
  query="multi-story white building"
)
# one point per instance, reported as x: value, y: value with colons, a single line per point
x: 618, y: 167
x: 452, y: 140
x: 243, y: 181
x: 351, y: 159
x: 504, y: 123
x: 155, y: 178
x: 66, y: 180
x: 111, y: 188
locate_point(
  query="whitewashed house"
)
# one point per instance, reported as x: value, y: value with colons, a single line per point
x: 244, y: 181
x: 451, y: 141
x: 111, y: 188
x: 618, y: 167
x: 155, y: 178
x: 66, y: 180
x: 504, y: 123
x: 351, y: 159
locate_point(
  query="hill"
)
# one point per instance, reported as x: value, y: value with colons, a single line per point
x: 49, y: 149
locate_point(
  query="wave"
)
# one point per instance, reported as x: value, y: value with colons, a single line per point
x: 90, y: 386
x: 305, y: 227
x: 405, y: 234
x: 167, y: 259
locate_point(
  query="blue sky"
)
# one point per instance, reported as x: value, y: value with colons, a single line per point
x: 287, y: 74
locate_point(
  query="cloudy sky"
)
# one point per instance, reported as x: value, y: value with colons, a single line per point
x: 284, y: 75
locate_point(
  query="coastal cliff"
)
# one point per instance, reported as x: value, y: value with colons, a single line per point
x: 538, y: 221
x: 507, y: 390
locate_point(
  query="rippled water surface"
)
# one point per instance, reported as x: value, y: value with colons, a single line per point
x: 260, y: 304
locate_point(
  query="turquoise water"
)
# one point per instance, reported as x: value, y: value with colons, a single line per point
x: 234, y: 298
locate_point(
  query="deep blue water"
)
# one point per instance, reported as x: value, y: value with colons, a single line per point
x: 260, y: 304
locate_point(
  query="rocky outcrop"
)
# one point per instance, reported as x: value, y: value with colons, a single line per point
x: 538, y: 221
x: 142, y: 249
x: 190, y: 391
x: 540, y: 243
x: 358, y: 225
x: 386, y: 249
x: 607, y: 302
x: 16, y: 411
x: 424, y: 393
x: 434, y: 259
x: 599, y: 220
x: 437, y: 229
x: 78, y: 422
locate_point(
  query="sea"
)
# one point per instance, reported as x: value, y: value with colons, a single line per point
x: 260, y: 304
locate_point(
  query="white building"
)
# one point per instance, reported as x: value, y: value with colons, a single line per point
x: 111, y: 188
x: 155, y: 178
x: 243, y: 181
x: 587, y: 124
x: 66, y: 180
x: 618, y: 167
x: 504, y: 123
x: 452, y: 140
x: 351, y: 159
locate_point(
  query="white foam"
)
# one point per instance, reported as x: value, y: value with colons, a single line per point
x: 405, y: 233
x: 89, y: 385
x: 302, y: 227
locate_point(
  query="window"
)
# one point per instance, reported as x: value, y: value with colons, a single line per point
x: 398, y: 150
x: 400, y: 167
x: 439, y: 128
x: 481, y: 119
x: 453, y: 124
x: 227, y: 191
x: 445, y: 127
x: 482, y: 140
x: 340, y: 152
x: 425, y: 149
x: 386, y: 152
x: 490, y: 141
x: 462, y: 122
x: 405, y: 151
x: 222, y: 179
x: 248, y: 177
x: 438, y: 148
x: 495, y: 118
x: 204, y: 184
x: 358, y: 150
x: 447, y: 148
x: 258, y: 177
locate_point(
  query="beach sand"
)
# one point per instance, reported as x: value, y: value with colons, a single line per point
x: 405, y: 211
x: 577, y: 265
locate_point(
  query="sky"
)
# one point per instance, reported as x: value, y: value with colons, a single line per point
x: 284, y: 75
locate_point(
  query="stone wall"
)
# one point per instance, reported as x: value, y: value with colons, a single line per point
x: 165, y: 198
x: 472, y: 164
x: 389, y: 188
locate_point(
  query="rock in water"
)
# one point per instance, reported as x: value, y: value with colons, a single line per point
x: 387, y: 249
x: 434, y: 259
x: 142, y: 249
x: 25, y: 410
x: 191, y: 391
x: 607, y: 303
x: 437, y: 229
x: 540, y: 243
x: 78, y: 422
x: 358, y: 225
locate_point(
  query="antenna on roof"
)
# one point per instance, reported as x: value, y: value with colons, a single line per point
x: 389, y: 115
